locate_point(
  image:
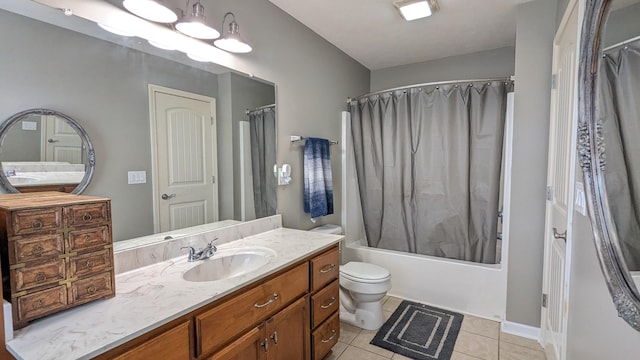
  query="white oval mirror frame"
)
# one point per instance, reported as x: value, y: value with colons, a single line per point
x: 87, y: 146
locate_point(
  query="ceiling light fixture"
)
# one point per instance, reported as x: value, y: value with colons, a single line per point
x: 416, y: 9
x: 194, y: 25
x: 231, y: 41
x: 154, y: 10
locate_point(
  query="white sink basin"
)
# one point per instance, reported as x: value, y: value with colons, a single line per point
x: 226, y: 266
x: 21, y: 179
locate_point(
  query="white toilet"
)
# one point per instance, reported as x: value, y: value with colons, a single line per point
x: 362, y: 287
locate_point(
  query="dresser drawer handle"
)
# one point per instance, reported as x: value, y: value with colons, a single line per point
x: 330, y: 304
x: 37, y: 250
x: 40, y: 277
x: 37, y: 304
x: 327, y: 268
x: 271, y: 301
x: 37, y: 223
x: 89, y: 264
x: 87, y: 238
x: 333, y: 335
x: 87, y: 217
x: 91, y: 290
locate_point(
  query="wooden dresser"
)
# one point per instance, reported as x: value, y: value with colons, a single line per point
x: 57, y: 252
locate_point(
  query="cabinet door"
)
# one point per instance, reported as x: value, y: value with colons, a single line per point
x: 174, y: 344
x: 287, y: 332
x: 251, y: 346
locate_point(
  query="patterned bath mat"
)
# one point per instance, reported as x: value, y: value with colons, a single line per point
x: 420, y: 332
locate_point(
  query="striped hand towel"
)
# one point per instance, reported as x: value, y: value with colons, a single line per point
x: 318, y: 185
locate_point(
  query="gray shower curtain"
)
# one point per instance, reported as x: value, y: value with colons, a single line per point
x: 619, y: 111
x: 263, y: 157
x: 428, y: 162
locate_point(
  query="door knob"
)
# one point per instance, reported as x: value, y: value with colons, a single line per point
x: 167, y: 197
x: 51, y: 141
x: 558, y: 235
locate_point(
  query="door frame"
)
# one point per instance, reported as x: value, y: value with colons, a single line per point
x: 153, y: 89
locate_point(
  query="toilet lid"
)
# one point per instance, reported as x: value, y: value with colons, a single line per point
x: 364, y: 271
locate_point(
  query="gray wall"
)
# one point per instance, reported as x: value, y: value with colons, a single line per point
x: 23, y: 145
x: 594, y: 330
x: 479, y: 65
x: 534, y: 44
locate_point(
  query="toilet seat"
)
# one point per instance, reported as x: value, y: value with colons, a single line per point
x: 364, y: 272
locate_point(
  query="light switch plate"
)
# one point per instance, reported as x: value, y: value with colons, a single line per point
x: 137, y: 177
x: 29, y: 125
x: 580, y: 200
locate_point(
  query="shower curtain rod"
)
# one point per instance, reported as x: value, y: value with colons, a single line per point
x: 247, y: 112
x: 622, y: 43
x: 430, y: 84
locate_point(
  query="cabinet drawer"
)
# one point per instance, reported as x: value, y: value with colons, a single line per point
x: 227, y: 320
x: 30, y: 221
x: 87, y: 214
x: 37, y: 275
x: 325, y: 337
x: 89, y: 238
x: 324, y: 303
x: 91, y: 288
x: 36, y: 248
x: 324, y: 268
x: 89, y: 264
x: 39, y: 303
x: 173, y: 344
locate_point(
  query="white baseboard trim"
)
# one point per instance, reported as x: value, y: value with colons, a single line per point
x: 521, y: 330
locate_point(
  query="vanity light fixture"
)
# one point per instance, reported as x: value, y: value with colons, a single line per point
x: 194, y: 25
x: 161, y: 45
x: 231, y: 41
x: 154, y: 10
x: 416, y: 9
x: 113, y: 30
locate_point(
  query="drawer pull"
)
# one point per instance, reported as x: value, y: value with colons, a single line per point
x: 37, y: 304
x: 89, y: 264
x: 271, y: 301
x: 330, y: 304
x: 91, y: 290
x: 87, y: 217
x: 274, y: 337
x: 333, y: 335
x: 87, y: 238
x: 37, y: 223
x: 37, y: 250
x: 265, y: 344
x: 40, y: 277
x: 327, y: 268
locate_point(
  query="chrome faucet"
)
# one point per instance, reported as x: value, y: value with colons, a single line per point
x: 10, y: 173
x: 203, y: 253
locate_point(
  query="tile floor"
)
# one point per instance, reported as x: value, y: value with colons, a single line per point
x: 478, y: 339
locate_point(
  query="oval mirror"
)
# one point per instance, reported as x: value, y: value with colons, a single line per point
x: 44, y: 150
x: 609, y: 105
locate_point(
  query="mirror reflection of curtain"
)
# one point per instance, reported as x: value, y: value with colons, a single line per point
x: 619, y: 111
x: 263, y: 156
x: 428, y: 162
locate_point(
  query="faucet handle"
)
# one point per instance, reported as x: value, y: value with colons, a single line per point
x: 211, y: 246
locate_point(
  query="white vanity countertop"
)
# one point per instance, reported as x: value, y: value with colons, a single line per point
x: 149, y: 297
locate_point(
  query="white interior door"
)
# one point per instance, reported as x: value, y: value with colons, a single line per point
x: 60, y: 142
x: 183, y: 129
x: 560, y: 183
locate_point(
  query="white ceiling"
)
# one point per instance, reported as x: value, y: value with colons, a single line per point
x: 373, y: 33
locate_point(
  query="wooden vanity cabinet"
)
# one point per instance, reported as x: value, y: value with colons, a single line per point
x: 325, y: 303
x: 57, y: 252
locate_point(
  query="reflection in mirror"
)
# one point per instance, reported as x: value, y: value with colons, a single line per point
x: 43, y: 150
x: 609, y: 146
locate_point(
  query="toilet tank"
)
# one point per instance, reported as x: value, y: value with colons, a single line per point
x: 328, y: 229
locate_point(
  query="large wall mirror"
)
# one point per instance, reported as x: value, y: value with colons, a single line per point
x: 609, y: 144
x: 104, y: 80
x: 44, y: 150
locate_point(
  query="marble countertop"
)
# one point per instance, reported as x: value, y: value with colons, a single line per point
x: 151, y: 296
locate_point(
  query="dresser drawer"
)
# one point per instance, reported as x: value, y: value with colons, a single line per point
x: 40, y: 303
x: 87, y: 239
x: 324, y: 303
x: 325, y: 337
x: 324, y: 268
x: 91, y: 288
x: 227, y: 320
x: 87, y: 214
x: 174, y: 344
x: 40, y: 220
x: 89, y: 264
x: 36, y: 248
x: 38, y: 275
